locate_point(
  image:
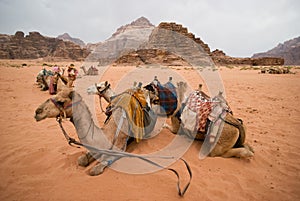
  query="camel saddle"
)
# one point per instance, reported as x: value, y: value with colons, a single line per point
x: 141, y: 118
x: 167, y: 98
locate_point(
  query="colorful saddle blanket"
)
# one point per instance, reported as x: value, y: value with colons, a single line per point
x: 140, y: 117
x: 167, y: 98
x: 201, y: 106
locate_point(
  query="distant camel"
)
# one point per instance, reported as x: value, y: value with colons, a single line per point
x: 46, y: 79
x: 91, y: 71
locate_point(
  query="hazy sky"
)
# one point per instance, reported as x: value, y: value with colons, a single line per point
x: 238, y: 27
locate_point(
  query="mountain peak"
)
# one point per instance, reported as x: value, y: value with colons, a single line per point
x: 289, y: 50
x: 64, y: 36
x: 139, y: 23
x: 67, y: 37
x: 142, y: 21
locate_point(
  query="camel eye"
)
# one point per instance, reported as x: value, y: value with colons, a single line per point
x: 39, y: 111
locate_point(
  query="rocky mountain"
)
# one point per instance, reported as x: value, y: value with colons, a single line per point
x: 126, y: 39
x: 171, y: 44
x: 219, y: 57
x: 139, y: 42
x: 35, y: 46
x: 67, y: 37
x: 289, y: 50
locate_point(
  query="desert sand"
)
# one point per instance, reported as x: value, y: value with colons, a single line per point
x: 38, y: 164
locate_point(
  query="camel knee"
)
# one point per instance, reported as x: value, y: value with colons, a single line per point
x: 170, y: 128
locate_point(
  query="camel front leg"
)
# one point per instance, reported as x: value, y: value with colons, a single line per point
x: 86, y: 159
x: 107, y: 160
x: 175, y: 124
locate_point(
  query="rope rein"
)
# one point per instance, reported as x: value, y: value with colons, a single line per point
x: 73, y: 142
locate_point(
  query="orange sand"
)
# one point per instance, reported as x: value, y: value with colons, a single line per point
x: 37, y: 163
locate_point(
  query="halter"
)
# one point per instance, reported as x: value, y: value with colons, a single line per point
x: 62, y: 108
x: 101, y: 92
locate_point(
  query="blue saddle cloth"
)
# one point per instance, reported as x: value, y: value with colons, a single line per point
x: 167, y: 98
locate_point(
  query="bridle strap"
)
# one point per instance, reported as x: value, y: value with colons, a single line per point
x: 100, y: 92
x: 61, y: 108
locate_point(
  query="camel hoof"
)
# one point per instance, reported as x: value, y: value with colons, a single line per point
x: 83, y: 160
x: 98, y: 169
x: 246, y: 153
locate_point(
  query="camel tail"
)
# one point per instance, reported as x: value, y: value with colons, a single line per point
x: 241, y: 140
x: 238, y: 123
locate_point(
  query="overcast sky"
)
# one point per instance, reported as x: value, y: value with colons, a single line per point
x: 238, y: 27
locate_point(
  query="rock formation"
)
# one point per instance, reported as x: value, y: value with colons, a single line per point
x: 35, y: 46
x: 151, y: 56
x: 289, y: 50
x: 140, y: 42
x: 175, y: 46
x: 67, y: 37
x: 126, y: 39
x: 219, y: 57
x: 169, y: 44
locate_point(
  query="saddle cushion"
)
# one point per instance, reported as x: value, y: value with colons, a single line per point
x: 202, y: 107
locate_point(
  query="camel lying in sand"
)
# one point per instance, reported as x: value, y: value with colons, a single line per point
x: 45, y: 80
x: 108, y: 137
x: 229, y: 143
x: 91, y: 71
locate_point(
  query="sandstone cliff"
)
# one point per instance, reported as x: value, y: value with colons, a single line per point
x: 219, y: 57
x: 169, y: 44
x: 126, y: 39
x: 175, y: 46
x: 35, y: 46
x: 289, y: 50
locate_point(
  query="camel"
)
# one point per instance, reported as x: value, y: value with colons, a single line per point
x: 91, y: 71
x: 45, y: 80
x: 40, y: 76
x: 229, y: 143
x: 108, y: 137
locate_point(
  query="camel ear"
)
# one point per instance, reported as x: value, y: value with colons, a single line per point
x: 106, y: 83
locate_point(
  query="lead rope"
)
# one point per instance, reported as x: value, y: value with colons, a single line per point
x: 72, y: 142
x: 68, y: 138
x: 100, y: 97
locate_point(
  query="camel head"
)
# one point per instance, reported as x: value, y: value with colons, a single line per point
x: 98, y: 89
x: 182, y: 87
x: 59, y: 105
x: 153, y: 93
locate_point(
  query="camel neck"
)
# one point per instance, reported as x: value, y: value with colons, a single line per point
x: 108, y: 94
x: 85, y: 127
